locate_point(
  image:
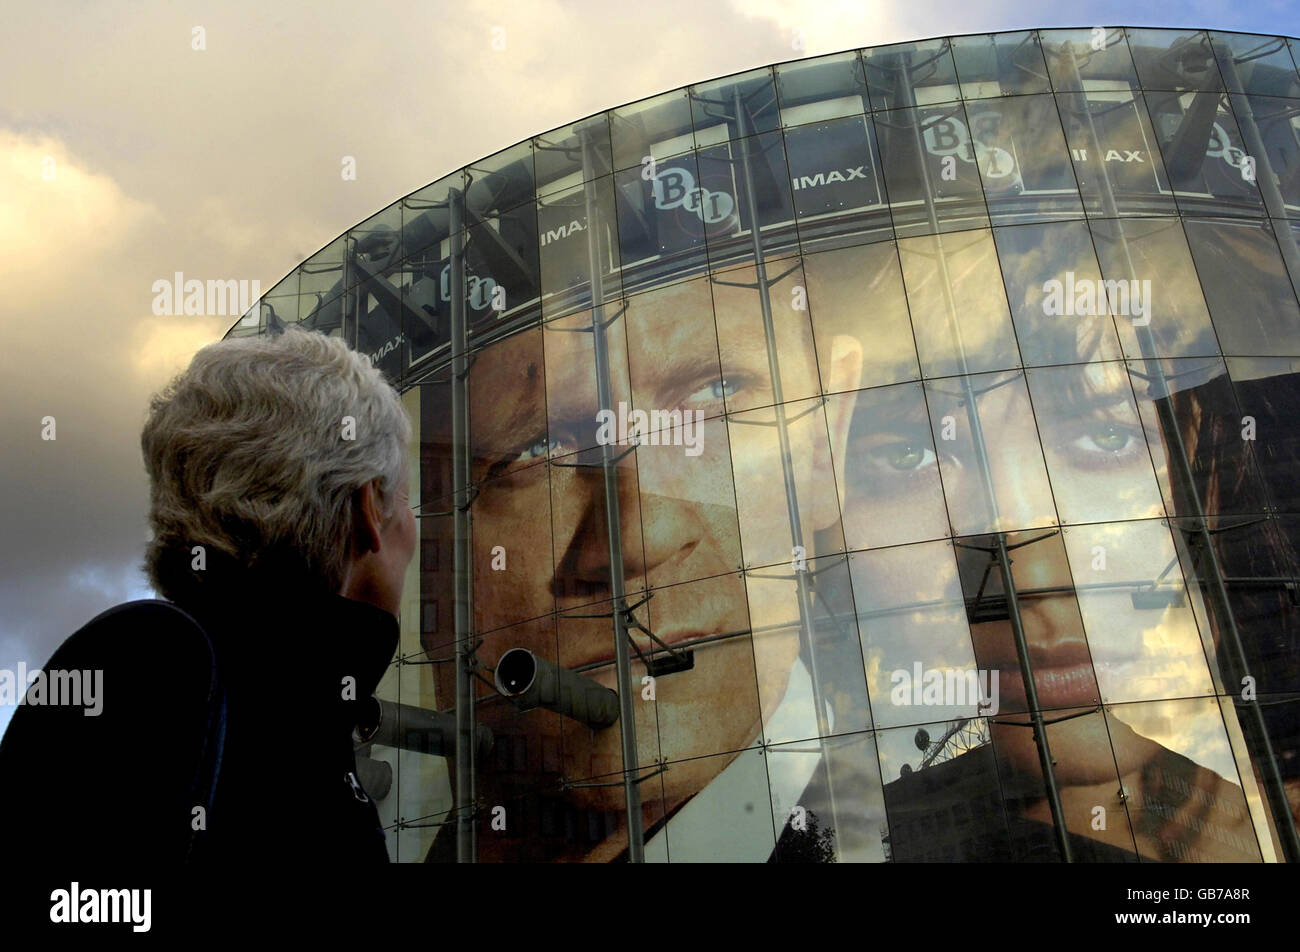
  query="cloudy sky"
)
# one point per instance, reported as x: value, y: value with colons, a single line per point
x: 127, y: 155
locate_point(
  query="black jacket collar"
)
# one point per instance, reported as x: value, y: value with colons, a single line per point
x: 320, y: 635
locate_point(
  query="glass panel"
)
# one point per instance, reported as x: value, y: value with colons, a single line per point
x: 727, y: 822
x: 1117, y: 162
x: 726, y: 202
x: 1256, y: 64
x: 714, y: 107
x: 809, y: 662
x: 937, y: 191
x: 943, y: 794
x: 1142, y: 633
x: 958, y: 304
x: 1277, y: 122
x: 827, y: 802
x: 1156, y: 298
x: 1185, y: 795
x: 1268, y: 392
x: 1023, y: 162
x: 1088, y: 59
x: 833, y: 170
x: 742, y: 344
x: 558, y: 155
x: 767, y: 534
x: 587, y: 646
x: 888, y: 473
x: 911, y: 74
x: 580, y: 530
x: 376, y: 244
x: 1094, y: 443
x: 564, y: 235
x: 1204, y: 154
x: 1246, y: 286
x: 322, y: 284
x: 673, y: 349
x: 1200, y: 421
x: 714, y: 706
x: 1175, y: 59
x: 1086, y: 779
x: 659, y: 127
x: 915, y: 641
x: 1256, y: 566
x: 501, y: 181
x: 989, y: 454
x: 514, y: 571
x: 826, y: 87
x: 380, y: 334
x: 860, y: 319
x: 572, y: 398
x: 1051, y: 275
x: 1001, y: 64
x: 664, y: 216
x: 426, y: 218
x: 507, y: 408
x: 688, y: 507
x: 1049, y: 614
x: 502, y: 270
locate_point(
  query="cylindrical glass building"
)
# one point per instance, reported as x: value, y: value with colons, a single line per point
x: 898, y: 446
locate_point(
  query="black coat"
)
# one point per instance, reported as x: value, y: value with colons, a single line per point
x: 123, y: 786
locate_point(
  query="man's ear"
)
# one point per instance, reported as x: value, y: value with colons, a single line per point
x: 367, y: 518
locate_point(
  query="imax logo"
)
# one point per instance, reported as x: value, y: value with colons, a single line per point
x: 828, y: 178
x: 564, y: 231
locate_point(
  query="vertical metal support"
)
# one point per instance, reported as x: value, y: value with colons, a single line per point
x: 969, y: 397
x: 1186, y: 498
x: 466, y: 828
x: 803, y: 590
x: 613, y: 511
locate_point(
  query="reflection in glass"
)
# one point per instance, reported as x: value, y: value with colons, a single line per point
x: 1259, y: 64
x: 943, y: 795
x: 958, y: 305
x: 889, y: 488
x: 1046, y: 269
x: 1246, y: 286
x: 766, y: 532
x: 1268, y: 392
x: 664, y: 216
x: 1022, y: 160
x: 658, y: 127
x: 809, y: 662
x: 911, y: 74
x: 717, y: 107
x: 989, y: 454
x: 930, y: 169
x: 1117, y: 160
x: 558, y: 155
x: 1000, y: 64
x: 912, y: 621
x: 828, y: 808
x: 1156, y: 298
x: 1204, y: 154
x: 1186, y: 800
x: 566, y: 238
x: 1088, y: 59
x: 860, y: 317
x: 1094, y: 443
x: 814, y: 90
x: 1175, y: 59
x: 742, y: 343
x: 1133, y: 600
x: 1277, y: 122
x: 1199, y: 419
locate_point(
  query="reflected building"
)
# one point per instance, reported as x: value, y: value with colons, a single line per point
x: 903, y: 442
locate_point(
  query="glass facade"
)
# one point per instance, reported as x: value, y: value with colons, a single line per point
x: 902, y: 443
